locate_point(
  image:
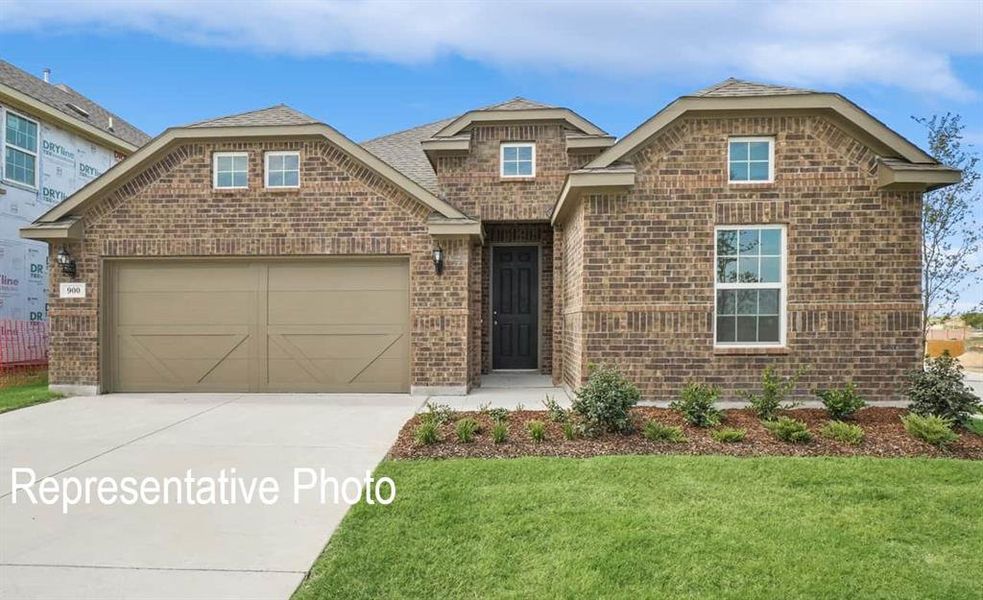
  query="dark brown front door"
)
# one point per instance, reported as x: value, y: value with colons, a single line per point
x: 515, y: 307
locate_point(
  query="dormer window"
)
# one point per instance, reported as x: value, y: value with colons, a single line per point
x: 230, y: 170
x: 282, y: 169
x: 519, y: 160
x: 751, y: 160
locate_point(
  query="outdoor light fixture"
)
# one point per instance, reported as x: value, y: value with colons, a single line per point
x: 438, y: 260
x: 66, y: 262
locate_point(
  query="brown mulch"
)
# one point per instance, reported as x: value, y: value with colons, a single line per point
x: 885, y: 437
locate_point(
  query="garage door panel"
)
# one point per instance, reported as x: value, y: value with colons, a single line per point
x: 320, y: 325
x: 193, y: 308
x: 350, y: 274
x: 328, y: 307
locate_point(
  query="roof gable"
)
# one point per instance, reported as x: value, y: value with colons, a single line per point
x: 736, y: 95
x: 77, y: 201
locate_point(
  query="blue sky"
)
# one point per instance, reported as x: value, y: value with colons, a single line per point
x: 369, y: 68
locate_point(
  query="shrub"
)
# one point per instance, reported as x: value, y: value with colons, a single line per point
x: 427, y: 432
x: 847, y: 433
x: 553, y: 410
x: 500, y: 432
x: 975, y: 426
x: 498, y: 415
x: 466, y: 429
x: 931, y: 429
x: 774, y: 390
x: 537, y: 430
x: 697, y: 402
x: 841, y: 403
x: 789, y: 430
x: 604, y: 402
x: 659, y: 432
x: 569, y: 430
x: 437, y: 413
x: 728, y: 435
x: 939, y: 390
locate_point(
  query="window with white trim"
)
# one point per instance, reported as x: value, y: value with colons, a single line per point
x: 751, y: 160
x: 230, y: 170
x: 282, y: 169
x: 518, y: 160
x: 749, y: 281
x: 20, y: 150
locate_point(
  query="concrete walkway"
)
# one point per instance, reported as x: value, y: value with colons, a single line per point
x: 182, y: 551
x: 508, y: 389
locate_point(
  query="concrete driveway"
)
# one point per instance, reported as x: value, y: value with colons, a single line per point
x: 182, y: 551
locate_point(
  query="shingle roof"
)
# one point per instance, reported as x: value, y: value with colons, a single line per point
x: 60, y: 96
x: 517, y: 103
x: 281, y: 114
x: 731, y: 87
x: 402, y: 150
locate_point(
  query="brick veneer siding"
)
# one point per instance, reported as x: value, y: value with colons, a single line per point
x: 473, y: 183
x: 853, y: 263
x: 533, y: 234
x: 568, y: 364
x: 169, y: 209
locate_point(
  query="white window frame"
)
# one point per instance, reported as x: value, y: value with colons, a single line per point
x: 36, y: 153
x: 782, y: 286
x: 215, y: 157
x: 266, y: 169
x: 771, y: 160
x: 501, y: 159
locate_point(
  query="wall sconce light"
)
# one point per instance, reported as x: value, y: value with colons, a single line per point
x: 438, y: 260
x: 66, y: 262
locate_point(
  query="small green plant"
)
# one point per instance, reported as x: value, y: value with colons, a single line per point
x: 498, y: 415
x: 841, y: 403
x: 659, y: 432
x: 939, y: 389
x: 728, y: 435
x: 500, y: 432
x: 520, y: 407
x: 774, y: 390
x: 537, y: 430
x: 848, y: 433
x: 437, y: 413
x: 427, y: 432
x: 975, y: 426
x: 484, y: 407
x: 569, y: 430
x: 697, y: 402
x: 788, y: 430
x: 553, y: 410
x: 930, y: 429
x: 605, y: 401
x: 466, y: 429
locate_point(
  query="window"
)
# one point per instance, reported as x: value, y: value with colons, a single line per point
x: 749, y: 281
x: 751, y: 160
x: 20, y: 150
x: 282, y: 169
x: 518, y: 160
x: 231, y: 170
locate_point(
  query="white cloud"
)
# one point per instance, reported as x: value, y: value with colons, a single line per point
x: 905, y: 44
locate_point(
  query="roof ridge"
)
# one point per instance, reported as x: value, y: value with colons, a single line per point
x: 281, y: 106
x: 745, y: 87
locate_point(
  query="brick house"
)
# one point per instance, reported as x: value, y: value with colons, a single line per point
x: 744, y: 225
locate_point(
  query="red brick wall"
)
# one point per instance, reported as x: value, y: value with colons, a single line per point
x: 170, y: 210
x: 853, y: 262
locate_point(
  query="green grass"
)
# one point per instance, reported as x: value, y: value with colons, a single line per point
x: 26, y: 394
x: 663, y: 527
x: 976, y: 426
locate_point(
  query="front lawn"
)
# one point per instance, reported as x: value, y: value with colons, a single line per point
x: 663, y: 527
x: 25, y: 394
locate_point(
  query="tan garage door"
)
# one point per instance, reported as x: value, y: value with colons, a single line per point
x: 337, y: 325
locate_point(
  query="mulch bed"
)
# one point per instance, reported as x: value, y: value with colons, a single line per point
x: 885, y: 437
